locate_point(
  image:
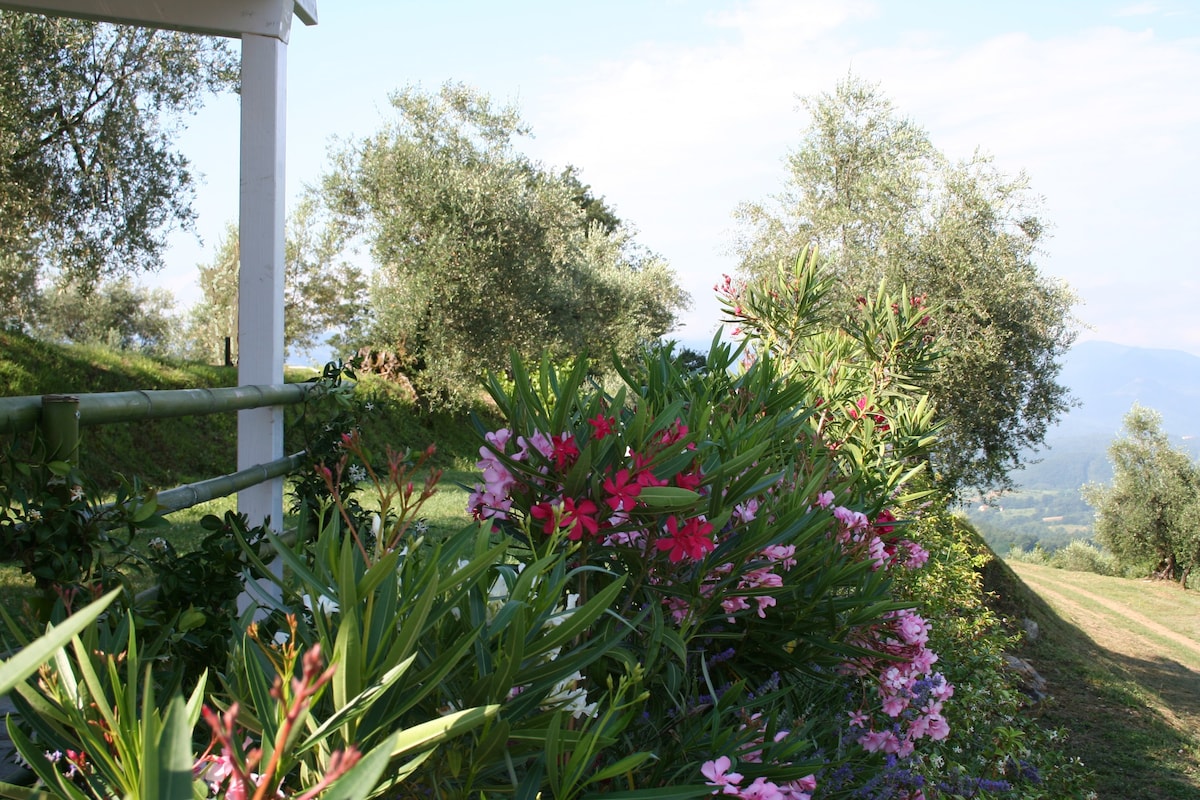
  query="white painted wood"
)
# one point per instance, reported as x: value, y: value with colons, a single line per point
x: 260, y: 279
x: 306, y: 10
x: 217, y: 17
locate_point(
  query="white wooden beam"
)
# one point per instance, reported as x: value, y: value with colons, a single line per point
x: 231, y: 18
x: 260, y: 278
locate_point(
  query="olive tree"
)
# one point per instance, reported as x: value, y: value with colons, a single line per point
x: 478, y: 250
x: 90, y: 180
x: 1149, y: 518
x: 324, y: 290
x: 867, y: 187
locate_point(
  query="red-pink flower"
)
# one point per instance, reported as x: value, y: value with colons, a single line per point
x: 578, y: 518
x: 645, y: 476
x: 622, y: 491
x: 565, y: 450
x: 689, y: 480
x: 602, y: 426
x: 693, y: 541
x: 545, y: 513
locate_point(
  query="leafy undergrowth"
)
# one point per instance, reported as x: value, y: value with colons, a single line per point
x: 1109, y: 704
x: 1115, y: 707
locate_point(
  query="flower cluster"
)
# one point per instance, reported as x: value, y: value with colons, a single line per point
x: 908, y: 695
x: 610, y: 508
x: 718, y: 774
x: 877, y: 542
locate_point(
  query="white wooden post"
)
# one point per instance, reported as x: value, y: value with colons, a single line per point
x: 260, y: 279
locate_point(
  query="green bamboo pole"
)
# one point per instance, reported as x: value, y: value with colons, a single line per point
x: 100, y: 408
x: 60, y: 427
x: 202, y: 491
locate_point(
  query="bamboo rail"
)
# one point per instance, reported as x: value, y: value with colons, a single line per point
x: 59, y: 416
x: 101, y: 408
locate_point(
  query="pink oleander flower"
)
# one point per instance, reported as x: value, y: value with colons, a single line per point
x: 851, y: 520
x: 764, y: 602
x: 917, y: 555
x: 497, y: 439
x: 824, y: 499
x: 718, y: 774
x: 784, y: 555
x: 761, y: 789
x: 744, y: 512
x: 801, y: 789
x: 539, y: 442
x: 913, y: 628
x: 734, y: 604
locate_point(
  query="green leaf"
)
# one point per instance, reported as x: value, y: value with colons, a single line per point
x: 436, y: 731
x: 657, y: 793
x: 173, y: 753
x: 626, y: 764
x: 21, y: 792
x: 668, y: 498
x: 360, y: 782
x: 357, y: 706
x: 38, y: 652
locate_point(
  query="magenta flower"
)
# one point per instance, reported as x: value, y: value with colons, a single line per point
x: 578, y: 518
x: 602, y: 426
x: 689, y: 480
x: 622, y: 491
x: 545, y: 513
x: 565, y: 450
x: 693, y: 541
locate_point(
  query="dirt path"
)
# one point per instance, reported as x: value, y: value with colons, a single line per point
x: 1164, y: 662
x: 1042, y: 584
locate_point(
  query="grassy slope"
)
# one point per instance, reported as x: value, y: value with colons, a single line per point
x: 169, y: 452
x: 1117, y: 709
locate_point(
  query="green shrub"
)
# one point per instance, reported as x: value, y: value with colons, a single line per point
x: 1083, y: 556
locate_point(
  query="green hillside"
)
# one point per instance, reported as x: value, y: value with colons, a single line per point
x: 169, y: 452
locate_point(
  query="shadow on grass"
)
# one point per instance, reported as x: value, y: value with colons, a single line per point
x: 1109, y: 702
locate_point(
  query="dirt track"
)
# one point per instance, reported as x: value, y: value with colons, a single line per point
x: 1100, y: 626
x: 1162, y: 660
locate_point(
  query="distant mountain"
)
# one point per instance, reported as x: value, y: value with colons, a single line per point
x: 1107, y: 379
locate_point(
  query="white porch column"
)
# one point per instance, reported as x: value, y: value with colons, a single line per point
x: 260, y: 281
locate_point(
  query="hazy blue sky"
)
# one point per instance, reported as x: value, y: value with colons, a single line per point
x: 677, y: 110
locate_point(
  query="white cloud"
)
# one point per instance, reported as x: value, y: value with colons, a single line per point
x: 1102, y: 119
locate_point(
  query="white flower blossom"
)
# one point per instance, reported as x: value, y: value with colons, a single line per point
x: 325, y: 604
x: 569, y: 696
x: 561, y: 616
